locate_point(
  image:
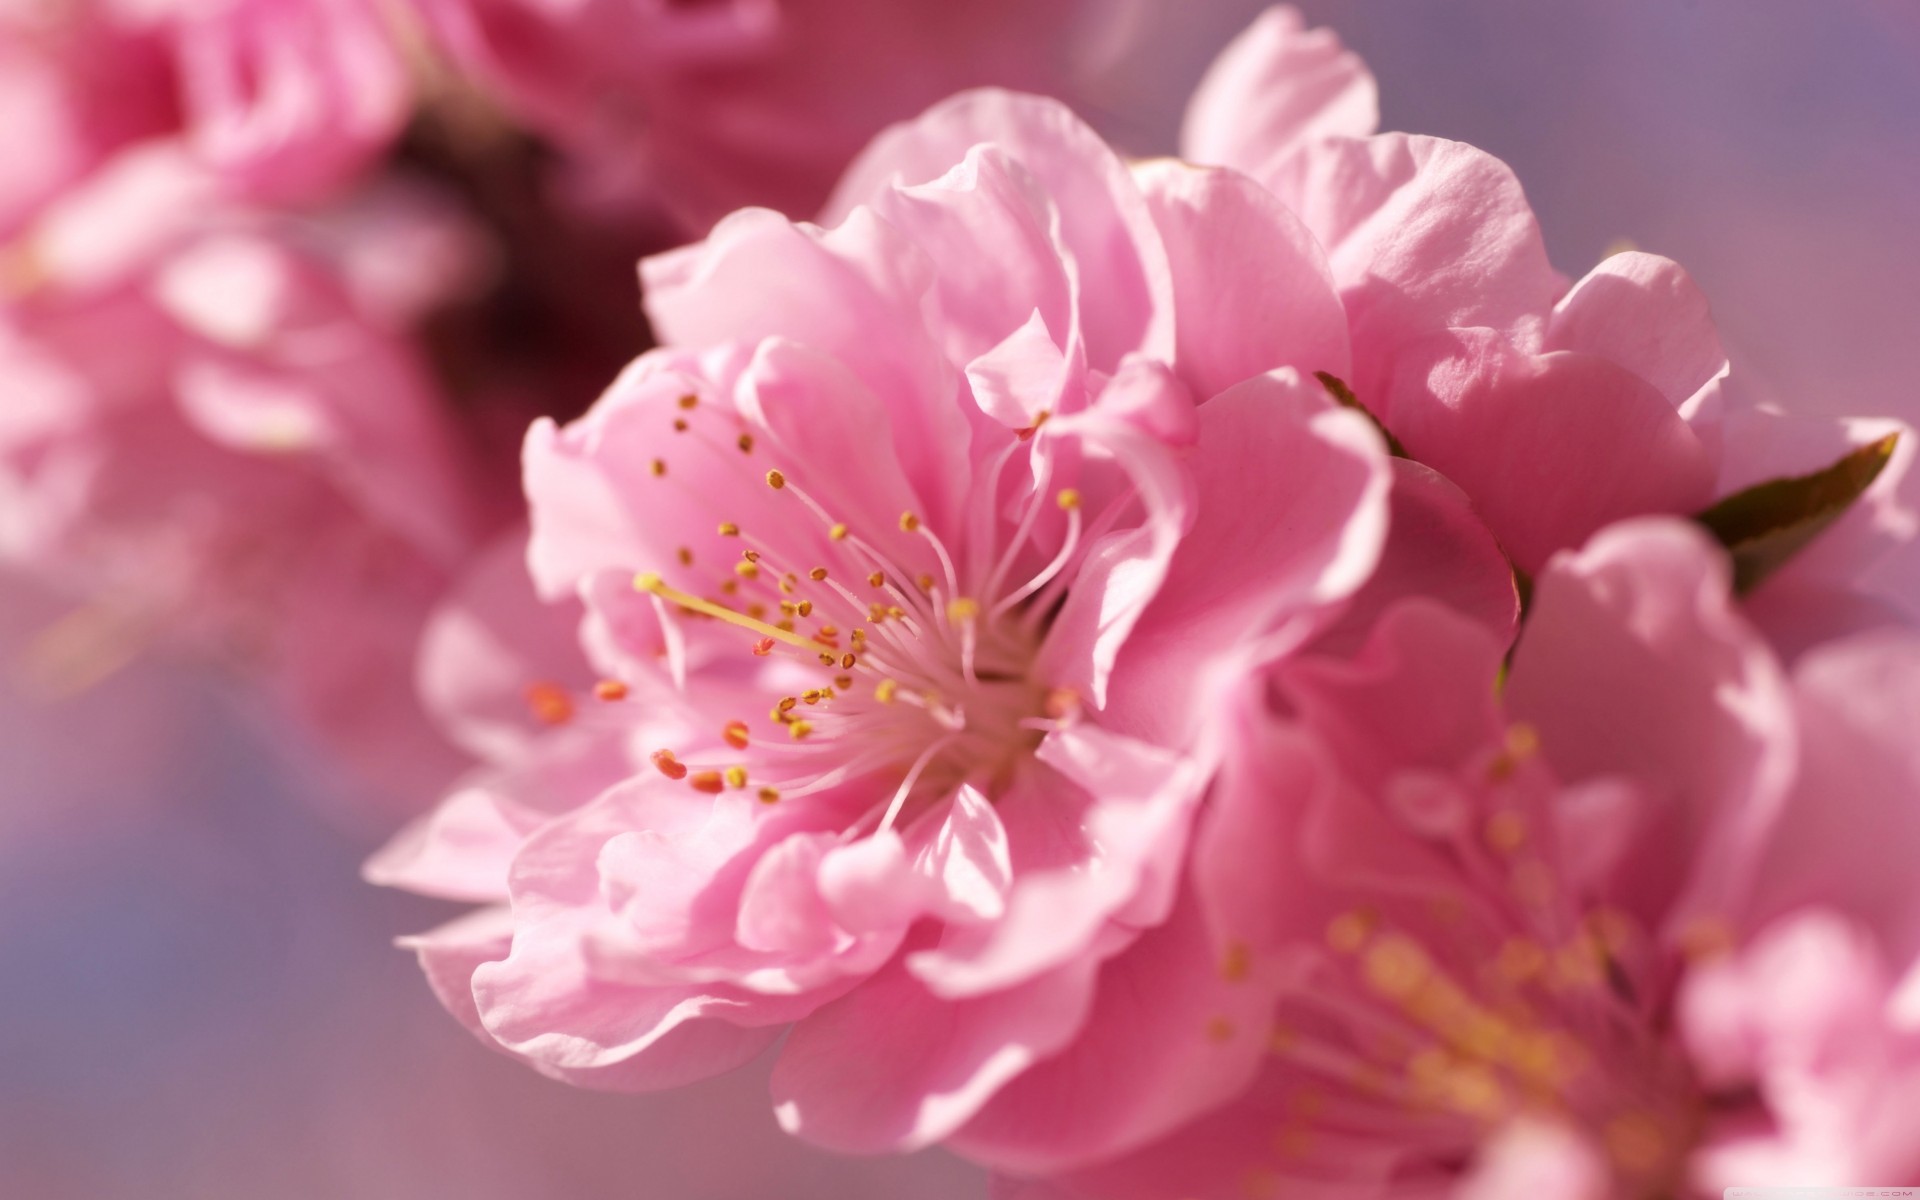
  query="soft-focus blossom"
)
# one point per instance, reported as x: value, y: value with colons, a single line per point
x: 703, y: 108
x: 1638, y: 923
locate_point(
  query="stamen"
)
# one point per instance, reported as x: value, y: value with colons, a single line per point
x: 610, y: 689
x: 659, y: 467
x: 729, y: 529
x: 736, y: 777
x: 735, y: 734
x: 746, y: 443
x: 776, y: 480
x: 669, y: 766
x: 689, y: 401
x: 650, y: 582
x: 708, y: 782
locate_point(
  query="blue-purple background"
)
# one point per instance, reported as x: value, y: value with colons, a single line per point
x: 197, y: 997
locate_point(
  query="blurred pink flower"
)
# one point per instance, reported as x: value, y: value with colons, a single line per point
x: 703, y: 108
x: 1640, y: 924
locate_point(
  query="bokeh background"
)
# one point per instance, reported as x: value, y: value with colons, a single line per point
x: 198, y: 997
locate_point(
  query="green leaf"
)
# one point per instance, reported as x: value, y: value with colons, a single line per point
x: 1768, y: 523
x: 1343, y: 395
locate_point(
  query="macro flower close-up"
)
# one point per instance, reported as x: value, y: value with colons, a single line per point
x: 1049, y: 602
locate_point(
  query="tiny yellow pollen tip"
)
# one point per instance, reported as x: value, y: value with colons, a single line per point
x: 648, y: 581
x: 729, y: 529
x: 909, y: 522
x: 838, y: 533
x: 962, y: 608
x: 1068, y: 498
x: 776, y: 480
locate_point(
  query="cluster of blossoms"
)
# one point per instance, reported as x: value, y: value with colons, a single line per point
x: 282, y: 283
x: 1215, y: 678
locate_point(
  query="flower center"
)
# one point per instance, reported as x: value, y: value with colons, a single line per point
x: 1507, y: 999
x: 892, y: 653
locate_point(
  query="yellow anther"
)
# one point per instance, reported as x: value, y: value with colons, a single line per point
x: 876, y: 613
x: 776, y: 480
x: 729, y: 529
x: 706, y: 781
x: 736, y: 777
x: 784, y: 626
x: 787, y: 703
x: 838, y: 533
x: 752, y: 556
x: 789, y: 607
x: 962, y: 608
x: 896, y: 612
x: 843, y: 682
x: 689, y: 401
x: 800, y: 729
x: 746, y: 443
x: 847, y: 661
x: 909, y: 522
x: 734, y: 733
x: 925, y: 582
x: 826, y: 660
x: 818, y: 574
x: 788, y: 583
x: 812, y: 695
x: 747, y: 570
x: 680, y: 425
x: 731, y: 587
x: 884, y: 690
x: 769, y: 795
x: 877, y: 579
x: 756, y: 610
x: 1068, y: 498
x: 685, y: 556
x: 804, y: 608
x: 659, y: 467
x: 650, y: 581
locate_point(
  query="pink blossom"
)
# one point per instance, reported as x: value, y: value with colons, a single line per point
x: 704, y: 108
x: 219, y: 437
x: 912, y: 557
x: 1641, y: 922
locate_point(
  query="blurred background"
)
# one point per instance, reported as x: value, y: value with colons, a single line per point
x: 198, y: 996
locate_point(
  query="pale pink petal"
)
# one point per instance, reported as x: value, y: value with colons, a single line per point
x: 1271, y: 445
x: 1636, y: 663
x: 1850, y: 835
x: 1277, y: 85
x: 1173, y: 1032
x: 1251, y: 287
x: 1646, y: 314
x: 1437, y: 547
x: 892, y: 1067
x: 1422, y: 235
x: 1122, y: 861
x: 451, y: 953
x: 1119, y: 268
x: 1550, y: 447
